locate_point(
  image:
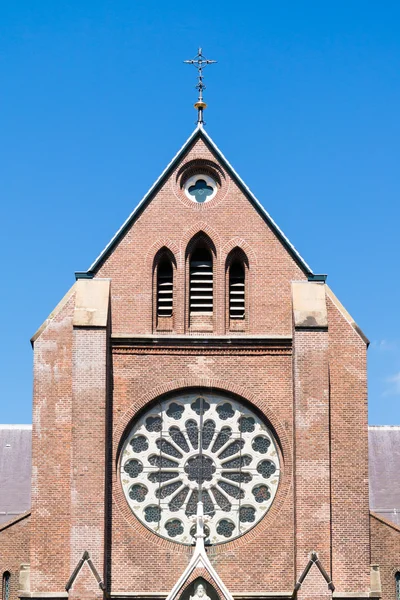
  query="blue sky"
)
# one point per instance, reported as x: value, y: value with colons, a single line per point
x: 304, y: 101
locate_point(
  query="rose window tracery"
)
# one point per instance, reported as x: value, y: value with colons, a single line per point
x: 199, y: 446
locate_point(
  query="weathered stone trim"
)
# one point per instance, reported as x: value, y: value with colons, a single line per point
x: 53, y: 314
x: 43, y: 595
x: 336, y: 302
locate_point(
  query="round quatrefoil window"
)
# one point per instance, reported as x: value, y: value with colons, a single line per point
x: 200, y: 188
x: 199, y: 445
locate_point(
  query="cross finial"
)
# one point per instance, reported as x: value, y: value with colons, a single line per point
x: 200, y: 62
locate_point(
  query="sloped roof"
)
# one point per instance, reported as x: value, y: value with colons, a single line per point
x: 15, y: 470
x: 384, y: 471
x: 199, y: 132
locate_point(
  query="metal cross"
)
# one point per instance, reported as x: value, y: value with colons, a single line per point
x: 200, y: 62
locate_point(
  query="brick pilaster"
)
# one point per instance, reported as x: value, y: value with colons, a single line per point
x: 311, y: 435
x: 89, y: 409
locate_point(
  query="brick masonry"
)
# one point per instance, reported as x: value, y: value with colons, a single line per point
x: 385, y: 551
x: 91, y: 382
x: 14, y: 550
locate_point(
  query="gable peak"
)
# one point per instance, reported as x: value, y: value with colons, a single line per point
x: 219, y: 166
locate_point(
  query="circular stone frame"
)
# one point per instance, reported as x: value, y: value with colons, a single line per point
x: 193, y: 180
x: 162, y: 495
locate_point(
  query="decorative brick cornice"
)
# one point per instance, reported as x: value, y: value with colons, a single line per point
x: 200, y: 350
x: 195, y: 345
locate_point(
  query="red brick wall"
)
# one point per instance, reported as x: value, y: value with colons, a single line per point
x: 312, y: 459
x: 266, y: 553
x: 349, y: 455
x: 73, y: 472
x: 14, y: 551
x: 51, y: 454
x: 385, y: 551
x: 88, y: 454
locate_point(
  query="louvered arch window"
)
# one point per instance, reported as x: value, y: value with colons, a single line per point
x: 165, y: 288
x: 201, y: 281
x: 237, y: 290
x: 6, y: 586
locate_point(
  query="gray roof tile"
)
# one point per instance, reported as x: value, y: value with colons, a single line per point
x: 384, y: 471
x: 15, y: 470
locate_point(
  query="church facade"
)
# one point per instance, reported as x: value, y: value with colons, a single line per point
x: 200, y: 366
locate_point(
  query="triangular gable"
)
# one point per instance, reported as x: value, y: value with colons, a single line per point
x: 199, y: 132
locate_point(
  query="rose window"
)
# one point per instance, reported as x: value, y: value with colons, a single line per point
x: 199, y: 446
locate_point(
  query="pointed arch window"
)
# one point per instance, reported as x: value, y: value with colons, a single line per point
x: 397, y: 581
x: 6, y: 586
x: 165, y: 288
x: 237, y: 272
x: 201, y: 281
x: 237, y: 305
